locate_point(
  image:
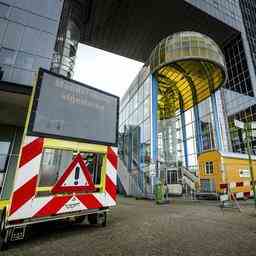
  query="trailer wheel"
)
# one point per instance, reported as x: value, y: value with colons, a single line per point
x: 103, y: 219
x: 4, y: 234
x: 2, y: 226
x: 79, y: 219
x: 3, y: 245
x: 93, y: 218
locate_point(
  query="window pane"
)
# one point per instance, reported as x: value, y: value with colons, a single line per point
x: 188, y: 116
x: 7, y: 56
x: 147, y: 129
x: 41, y: 63
x: 140, y: 113
x: 19, y: 16
x: 13, y: 36
x: 192, y: 160
x: 4, y: 9
x: 140, y: 95
x: 49, y: 167
x: 22, y: 76
x: 146, y: 108
x: 147, y: 87
x: 94, y: 163
x: 191, y: 146
x: 30, y: 41
x: 3, y: 24
x: 46, y: 45
x: 1, y: 179
x: 25, y: 60
x: 4, y: 149
x: 7, y: 73
x: 189, y: 130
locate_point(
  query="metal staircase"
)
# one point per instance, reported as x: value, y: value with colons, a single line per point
x: 189, y: 181
x: 130, y: 183
x: 189, y: 178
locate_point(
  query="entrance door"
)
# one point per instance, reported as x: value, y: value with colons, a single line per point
x: 207, y: 185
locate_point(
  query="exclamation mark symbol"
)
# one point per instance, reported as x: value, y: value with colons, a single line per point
x: 77, y: 172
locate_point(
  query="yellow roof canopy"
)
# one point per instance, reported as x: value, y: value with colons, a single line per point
x: 189, y: 67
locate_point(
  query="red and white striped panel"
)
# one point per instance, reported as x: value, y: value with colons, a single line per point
x: 27, y: 173
x: 239, y: 195
x: 110, y: 183
x: 24, y: 203
x: 242, y: 195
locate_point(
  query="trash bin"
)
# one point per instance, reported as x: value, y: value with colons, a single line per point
x: 159, y: 192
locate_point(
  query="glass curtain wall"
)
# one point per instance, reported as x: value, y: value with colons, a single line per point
x: 68, y: 38
x: 27, y: 37
x: 238, y: 94
x: 207, y: 134
x: 135, y: 112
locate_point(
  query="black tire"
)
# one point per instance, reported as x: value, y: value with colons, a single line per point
x: 2, y: 224
x: 79, y: 219
x: 3, y: 245
x: 3, y: 233
x: 104, y: 219
x: 93, y: 218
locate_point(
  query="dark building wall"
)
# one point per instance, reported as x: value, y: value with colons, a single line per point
x: 28, y: 30
x: 238, y: 72
x: 240, y: 54
x: 239, y: 97
x: 227, y: 11
x: 248, y: 9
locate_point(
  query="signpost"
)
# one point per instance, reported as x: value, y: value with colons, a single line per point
x: 249, y: 129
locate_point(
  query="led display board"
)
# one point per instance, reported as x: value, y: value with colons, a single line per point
x: 65, y: 109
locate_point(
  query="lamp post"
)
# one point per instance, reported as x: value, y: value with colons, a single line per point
x: 248, y: 127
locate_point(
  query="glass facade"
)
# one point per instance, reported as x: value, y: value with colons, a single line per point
x: 170, y: 139
x: 227, y: 11
x: 185, y: 69
x: 135, y: 111
x: 69, y: 35
x: 28, y: 32
x: 248, y: 9
x: 237, y: 99
x: 238, y: 93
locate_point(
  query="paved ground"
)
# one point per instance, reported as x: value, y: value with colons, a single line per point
x: 142, y: 228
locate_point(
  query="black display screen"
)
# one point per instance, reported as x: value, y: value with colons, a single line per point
x: 64, y: 108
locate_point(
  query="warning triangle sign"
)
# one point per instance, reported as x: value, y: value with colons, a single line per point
x: 76, y: 178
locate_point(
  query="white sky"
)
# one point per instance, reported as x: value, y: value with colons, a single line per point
x: 104, y: 70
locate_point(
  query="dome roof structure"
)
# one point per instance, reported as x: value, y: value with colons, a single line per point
x: 189, y: 67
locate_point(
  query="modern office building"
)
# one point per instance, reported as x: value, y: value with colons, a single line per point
x: 206, y: 126
x: 35, y: 33
x: 28, y: 31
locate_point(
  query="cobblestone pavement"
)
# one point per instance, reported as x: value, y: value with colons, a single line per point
x: 138, y: 227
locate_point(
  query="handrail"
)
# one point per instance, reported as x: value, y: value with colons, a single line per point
x: 188, y: 174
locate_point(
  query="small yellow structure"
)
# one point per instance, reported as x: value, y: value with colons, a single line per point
x: 219, y: 171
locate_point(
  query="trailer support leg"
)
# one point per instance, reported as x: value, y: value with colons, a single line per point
x: 5, y: 240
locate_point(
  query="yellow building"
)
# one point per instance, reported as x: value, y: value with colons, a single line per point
x: 221, y: 170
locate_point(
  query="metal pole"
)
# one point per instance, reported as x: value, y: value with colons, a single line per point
x: 248, y: 145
